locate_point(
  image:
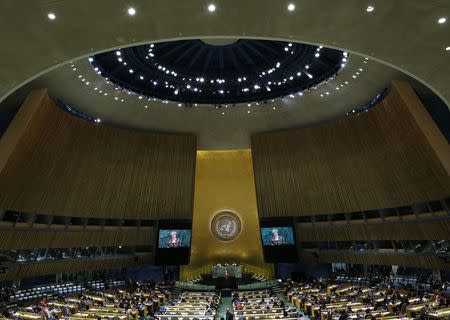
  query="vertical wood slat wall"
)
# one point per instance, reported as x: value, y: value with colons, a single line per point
x: 19, y: 271
x: 372, y: 258
x: 60, y: 164
x: 390, y: 156
x: 420, y: 230
x: 33, y: 239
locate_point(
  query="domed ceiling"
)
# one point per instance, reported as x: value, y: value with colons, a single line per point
x: 193, y: 71
x: 101, y: 87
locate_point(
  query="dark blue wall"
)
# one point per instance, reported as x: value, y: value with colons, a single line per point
x: 285, y: 270
x: 5, y: 119
x: 155, y: 273
x: 37, y: 281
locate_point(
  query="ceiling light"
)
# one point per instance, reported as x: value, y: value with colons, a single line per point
x: 442, y: 20
x: 212, y: 7
x: 90, y: 59
x: 131, y: 11
x: 447, y: 49
x: 291, y: 7
x: 317, y: 55
x: 51, y: 16
x: 118, y: 53
x: 131, y: 70
x: 370, y: 9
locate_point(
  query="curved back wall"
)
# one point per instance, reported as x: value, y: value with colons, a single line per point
x: 390, y: 156
x: 52, y: 162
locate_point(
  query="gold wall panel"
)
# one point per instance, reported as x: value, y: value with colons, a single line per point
x: 54, y: 163
x: 224, y: 181
x: 391, y: 156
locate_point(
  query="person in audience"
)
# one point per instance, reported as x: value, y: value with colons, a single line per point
x: 228, y: 315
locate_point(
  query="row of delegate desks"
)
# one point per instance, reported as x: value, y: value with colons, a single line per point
x: 191, y: 305
x: 353, y: 297
x: 104, y: 306
x: 252, y: 309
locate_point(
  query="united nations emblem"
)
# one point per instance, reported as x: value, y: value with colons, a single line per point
x: 226, y: 225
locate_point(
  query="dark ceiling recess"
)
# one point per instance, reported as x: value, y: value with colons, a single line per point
x: 193, y: 71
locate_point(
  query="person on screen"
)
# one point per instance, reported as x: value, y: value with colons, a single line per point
x: 174, y: 241
x: 277, y: 239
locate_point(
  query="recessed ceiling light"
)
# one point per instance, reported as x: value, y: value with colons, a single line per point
x: 447, y: 49
x: 442, y: 20
x: 370, y: 9
x: 90, y: 59
x: 291, y: 7
x: 211, y: 7
x: 131, y: 11
x: 51, y: 16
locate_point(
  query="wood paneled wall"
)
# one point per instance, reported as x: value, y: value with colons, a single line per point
x: 423, y: 230
x: 33, y: 239
x: 390, y: 156
x: 27, y: 270
x: 369, y: 258
x: 60, y: 164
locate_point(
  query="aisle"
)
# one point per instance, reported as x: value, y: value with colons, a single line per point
x: 226, y: 304
x: 289, y: 305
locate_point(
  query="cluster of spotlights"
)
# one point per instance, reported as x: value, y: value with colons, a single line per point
x: 118, y: 92
x: 216, y: 86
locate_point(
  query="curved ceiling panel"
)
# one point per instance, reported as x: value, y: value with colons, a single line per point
x: 393, y: 32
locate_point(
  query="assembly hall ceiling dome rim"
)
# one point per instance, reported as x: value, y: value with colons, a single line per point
x: 218, y: 71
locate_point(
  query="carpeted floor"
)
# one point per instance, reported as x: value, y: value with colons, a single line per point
x: 226, y: 304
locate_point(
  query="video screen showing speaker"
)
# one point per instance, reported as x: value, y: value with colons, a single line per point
x: 174, y: 242
x: 278, y: 240
x: 174, y: 238
x: 277, y: 236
